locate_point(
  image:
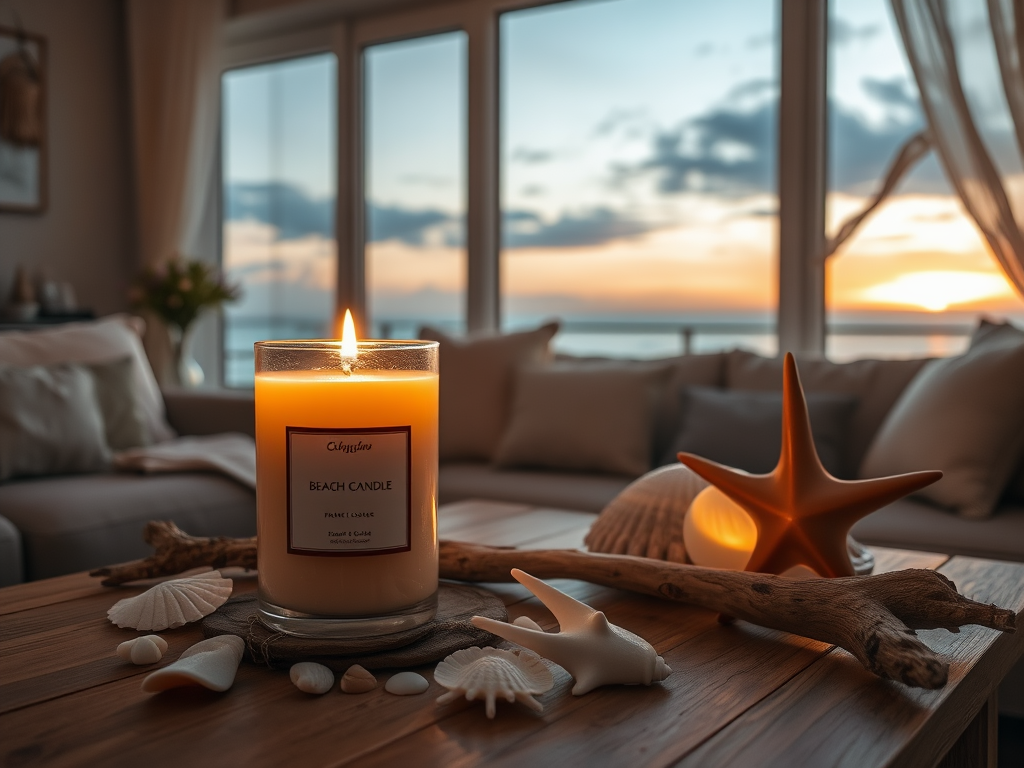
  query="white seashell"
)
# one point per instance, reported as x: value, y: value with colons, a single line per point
x: 646, y: 518
x: 310, y: 677
x: 357, y: 680
x: 173, y: 603
x: 526, y: 621
x: 591, y: 649
x: 211, y: 663
x: 148, y: 649
x: 490, y: 673
x: 406, y: 684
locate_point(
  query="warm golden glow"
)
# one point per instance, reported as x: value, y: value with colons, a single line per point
x: 937, y: 290
x: 349, y: 344
x: 717, y: 532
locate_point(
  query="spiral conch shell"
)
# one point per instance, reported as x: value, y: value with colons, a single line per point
x: 492, y: 673
x: 646, y: 518
x: 590, y: 648
x: 173, y: 603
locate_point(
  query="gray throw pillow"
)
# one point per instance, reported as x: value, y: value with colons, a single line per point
x: 743, y: 429
x: 124, y: 418
x: 50, y: 421
x: 591, y: 418
x: 476, y: 386
x: 963, y: 415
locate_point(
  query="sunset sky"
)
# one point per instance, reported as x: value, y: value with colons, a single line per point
x: 638, y: 170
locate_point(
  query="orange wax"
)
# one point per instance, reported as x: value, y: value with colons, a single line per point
x: 356, y: 583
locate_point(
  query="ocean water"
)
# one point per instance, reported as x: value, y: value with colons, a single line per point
x: 648, y: 343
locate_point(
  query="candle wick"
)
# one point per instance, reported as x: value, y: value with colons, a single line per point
x: 346, y: 368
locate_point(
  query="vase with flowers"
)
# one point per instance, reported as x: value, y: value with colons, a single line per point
x: 178, y: 292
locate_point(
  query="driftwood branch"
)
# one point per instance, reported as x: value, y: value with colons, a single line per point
x: 176, y: 552
x: 872, y: 617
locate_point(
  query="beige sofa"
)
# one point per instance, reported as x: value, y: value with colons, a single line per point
x: 55, y: 525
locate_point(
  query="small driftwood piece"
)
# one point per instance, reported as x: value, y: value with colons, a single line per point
x: 872, y: 617
x: 176, y: 552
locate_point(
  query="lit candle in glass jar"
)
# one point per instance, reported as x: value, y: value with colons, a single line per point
x: 346, y: 454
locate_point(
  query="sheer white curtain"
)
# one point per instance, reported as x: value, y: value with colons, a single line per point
x: 965, y: 55
x: 174, y: 50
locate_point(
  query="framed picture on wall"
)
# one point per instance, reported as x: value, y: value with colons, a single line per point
x: 23, y: 155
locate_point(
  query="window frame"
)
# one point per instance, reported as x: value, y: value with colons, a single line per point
x: 275, y: 35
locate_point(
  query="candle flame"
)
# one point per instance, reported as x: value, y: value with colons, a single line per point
x: 349, y: 344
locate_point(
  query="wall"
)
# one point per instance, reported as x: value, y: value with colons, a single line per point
x: 86, y: 236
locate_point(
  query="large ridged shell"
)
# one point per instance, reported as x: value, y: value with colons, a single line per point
x: 173, y: 603
x: 490, y: 673
x: 646, y: 518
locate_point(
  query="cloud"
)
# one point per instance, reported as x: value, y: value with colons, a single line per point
x: 841, y: 32
x: 704, y: 49
x: 284, y: 205
x: 526, y: 229
x: 896, y: 92
x: 392, y: 222
x: 731, y: 151
x: 531, y: 156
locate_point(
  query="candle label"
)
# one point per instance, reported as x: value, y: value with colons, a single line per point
x: 349, y: 490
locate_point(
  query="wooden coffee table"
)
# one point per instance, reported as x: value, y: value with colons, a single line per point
x: 739, y: 695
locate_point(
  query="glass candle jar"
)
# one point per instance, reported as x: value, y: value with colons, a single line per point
x: 346, y: 486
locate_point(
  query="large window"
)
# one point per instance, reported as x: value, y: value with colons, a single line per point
x: 919, y: 261
x: 638, y: 173
x: 279, y: 171
x: 415, y: 184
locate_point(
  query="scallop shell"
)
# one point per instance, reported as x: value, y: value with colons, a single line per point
x: 148, y: 649
x: 587, y: 645
x: 357, y: 680
x: 646, y: 518
x: 310, y: 677
x: 490, y: 673
x: 173, y: 603
x: 210, y: 663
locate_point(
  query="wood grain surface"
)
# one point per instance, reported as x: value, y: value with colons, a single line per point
x: 738, y: 695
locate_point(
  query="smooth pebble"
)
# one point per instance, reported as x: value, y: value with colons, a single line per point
x: 148, y: 649
x: 357, y: 680
x: 310, y: 677
x: 406, y: 684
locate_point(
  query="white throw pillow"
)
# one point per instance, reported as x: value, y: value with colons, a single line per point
x: 101, y: 341
x: 963, y: 415
x: 50, y: 421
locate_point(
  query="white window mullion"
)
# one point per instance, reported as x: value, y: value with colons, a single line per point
x: 801, y: 312
x: 483, y: 203
x: 350, y: 215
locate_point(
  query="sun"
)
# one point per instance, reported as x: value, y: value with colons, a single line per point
x: 936, y: 291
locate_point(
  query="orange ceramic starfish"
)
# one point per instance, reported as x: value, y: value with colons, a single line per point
x: 802, y: 513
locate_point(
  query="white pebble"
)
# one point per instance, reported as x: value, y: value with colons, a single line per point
x: 406, y: 684
x: 148, y: 649
x: 526, y: 621
x: 310, y: 677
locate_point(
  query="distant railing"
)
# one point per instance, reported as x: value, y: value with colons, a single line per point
x: 687, y: 331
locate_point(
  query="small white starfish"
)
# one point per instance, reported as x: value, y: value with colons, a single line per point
x: 590, y: 648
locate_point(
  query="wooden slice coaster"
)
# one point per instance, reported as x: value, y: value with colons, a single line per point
x: 448, y: 632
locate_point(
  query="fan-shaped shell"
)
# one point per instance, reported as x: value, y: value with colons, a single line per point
x: 646, y: 518
x: 487, y: 673
x: 310, y: 677
x: 173, y: 603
